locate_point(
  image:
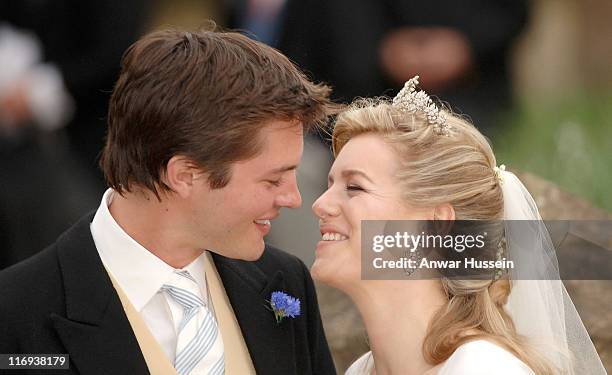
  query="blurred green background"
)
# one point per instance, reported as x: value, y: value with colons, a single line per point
x: 561, y: 127
x: 568, y: 142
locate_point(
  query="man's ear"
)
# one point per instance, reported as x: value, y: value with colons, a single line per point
x: 181, y: 175
x: 444, y: 212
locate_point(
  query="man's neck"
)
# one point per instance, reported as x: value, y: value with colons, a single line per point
x: 156, y: 226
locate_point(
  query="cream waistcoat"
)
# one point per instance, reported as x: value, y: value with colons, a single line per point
x: 237, y: 358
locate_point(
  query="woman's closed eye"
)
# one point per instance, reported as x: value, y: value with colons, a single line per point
x: 354, y: 188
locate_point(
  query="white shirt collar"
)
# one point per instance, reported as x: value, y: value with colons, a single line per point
x: 139, y: 273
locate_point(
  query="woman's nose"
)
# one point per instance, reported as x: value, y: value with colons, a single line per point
x: 324, y: 205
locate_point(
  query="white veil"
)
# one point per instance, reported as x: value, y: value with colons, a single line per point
x: 539, y: 304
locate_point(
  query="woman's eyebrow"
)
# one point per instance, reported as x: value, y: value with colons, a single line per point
x: 351, y: 172
x: 347, y: 173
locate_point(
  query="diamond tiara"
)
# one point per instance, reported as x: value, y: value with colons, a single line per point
x: 412, y: 101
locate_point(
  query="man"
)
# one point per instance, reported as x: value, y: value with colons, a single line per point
x: 205, y: 131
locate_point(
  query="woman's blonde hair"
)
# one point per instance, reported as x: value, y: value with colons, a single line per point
x: 435, y: 169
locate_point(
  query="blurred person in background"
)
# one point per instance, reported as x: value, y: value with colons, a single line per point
x: 371, y: 47
x: 85, y: 41
x: 59, y: 59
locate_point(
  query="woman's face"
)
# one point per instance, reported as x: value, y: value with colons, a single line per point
x: 361, y: 186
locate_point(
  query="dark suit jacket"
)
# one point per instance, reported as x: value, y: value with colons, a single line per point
x: 62, y: 301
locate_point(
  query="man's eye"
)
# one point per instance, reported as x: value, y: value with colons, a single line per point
x: 275, y: 182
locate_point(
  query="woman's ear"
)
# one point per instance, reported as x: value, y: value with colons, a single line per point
x: 444, y: 212
x: 443, y: 218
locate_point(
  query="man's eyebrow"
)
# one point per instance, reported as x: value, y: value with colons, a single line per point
x: 347, y: 173
x: 282, y: 169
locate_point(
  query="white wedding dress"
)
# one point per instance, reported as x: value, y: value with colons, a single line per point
x: 478, y: 357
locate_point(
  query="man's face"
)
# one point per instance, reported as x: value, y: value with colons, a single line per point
x: 233, y: 220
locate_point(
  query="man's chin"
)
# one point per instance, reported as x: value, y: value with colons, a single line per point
x: 254, y: 258
x: 244, y: 252
x: 253, y: 254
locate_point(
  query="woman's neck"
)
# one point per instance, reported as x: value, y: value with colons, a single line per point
x: 396, y: 315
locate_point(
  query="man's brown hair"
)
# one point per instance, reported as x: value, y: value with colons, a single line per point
x: 203, y: 95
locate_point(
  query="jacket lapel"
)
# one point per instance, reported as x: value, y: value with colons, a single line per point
x: 270, y: 345
x: 95, y: 331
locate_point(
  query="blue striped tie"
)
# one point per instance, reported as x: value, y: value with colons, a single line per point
x: 199, y: 347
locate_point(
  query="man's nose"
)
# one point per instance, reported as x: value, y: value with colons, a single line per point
x: 291, y: 198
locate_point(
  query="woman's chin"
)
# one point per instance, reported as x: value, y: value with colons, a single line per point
x: 322, y: 272
x: 315, y: 271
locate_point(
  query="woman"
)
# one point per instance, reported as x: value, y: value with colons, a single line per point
x: 408, y: 160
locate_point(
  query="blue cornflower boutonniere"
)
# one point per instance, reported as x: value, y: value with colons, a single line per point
x: 283, y: 305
